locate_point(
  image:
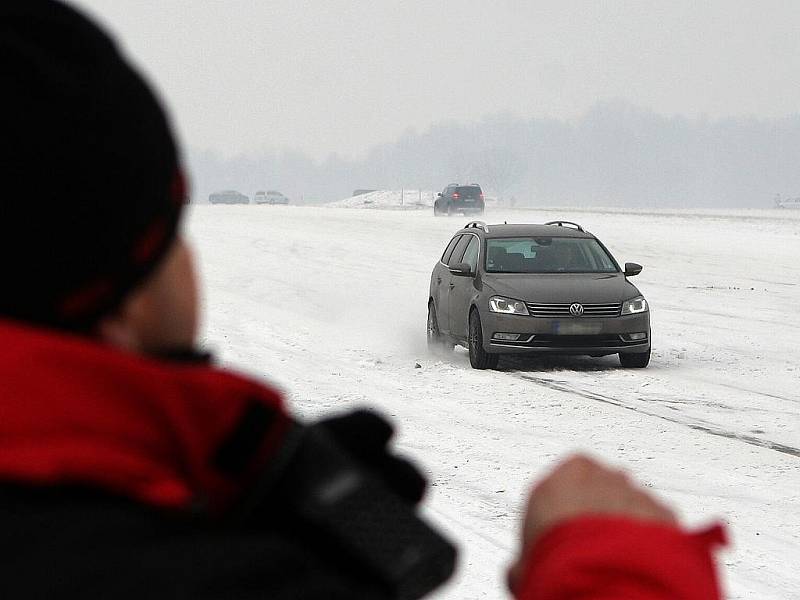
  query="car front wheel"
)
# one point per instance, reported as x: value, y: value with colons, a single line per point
x: 478, y: 357
x: 631, y: 360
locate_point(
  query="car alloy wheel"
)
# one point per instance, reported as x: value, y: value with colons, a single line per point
x: 436, y: 341
x: 478, y: 357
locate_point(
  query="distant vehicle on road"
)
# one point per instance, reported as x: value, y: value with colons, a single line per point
x: 551, y: 288
x: 457, y: 198
x: 270, y: 197
x: 362, y: 192
x: 787, y: 202
x: 228, y: 197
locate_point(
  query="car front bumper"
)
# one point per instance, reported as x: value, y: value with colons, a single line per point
x: 575, y: 335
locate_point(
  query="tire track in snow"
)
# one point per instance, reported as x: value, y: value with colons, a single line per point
x: 739, y: 388
x: 458, y: 522
x: 567, y: 388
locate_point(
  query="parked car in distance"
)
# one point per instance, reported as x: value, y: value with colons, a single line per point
x: 787, y: 202
x: 270, y: 197
x: 455, y: 198
x: 550, y: 288
x: 228, y: 197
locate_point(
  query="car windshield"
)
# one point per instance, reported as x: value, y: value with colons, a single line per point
x: 547, y: 255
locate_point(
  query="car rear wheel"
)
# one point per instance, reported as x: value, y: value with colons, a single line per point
x: 436, y: 341
x: 631, y: 360
x: 478, y: 357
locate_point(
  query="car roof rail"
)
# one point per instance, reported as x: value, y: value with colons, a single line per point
x: 477, y: 225
x: 565, y: 223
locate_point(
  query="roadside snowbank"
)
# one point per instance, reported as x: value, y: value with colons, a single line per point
x: 388, y: 199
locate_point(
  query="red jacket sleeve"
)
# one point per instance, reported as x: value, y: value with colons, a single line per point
x: 616, y: 558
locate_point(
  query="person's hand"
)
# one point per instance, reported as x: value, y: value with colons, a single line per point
x: 582, y: 486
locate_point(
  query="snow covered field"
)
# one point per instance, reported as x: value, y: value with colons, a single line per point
x: 330, y: 304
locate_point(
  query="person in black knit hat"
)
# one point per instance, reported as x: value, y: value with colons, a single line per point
x: 129, y: 466
x: 90, y: 166
x: 132, y: 468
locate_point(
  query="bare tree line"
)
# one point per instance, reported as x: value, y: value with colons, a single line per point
x: 615, y: 155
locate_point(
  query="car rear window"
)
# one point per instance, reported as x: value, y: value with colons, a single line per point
x: 458, y: 251
x: 469, y: 191
x: 547, y: 255
x: 449, y: 249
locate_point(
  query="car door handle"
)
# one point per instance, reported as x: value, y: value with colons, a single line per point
x: 438, y: 280
x: 452, y: 285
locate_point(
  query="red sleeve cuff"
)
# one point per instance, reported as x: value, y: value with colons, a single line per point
x: 609, y: 557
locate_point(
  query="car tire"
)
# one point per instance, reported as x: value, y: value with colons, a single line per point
x: 634, y: 360
x: 436, y: 341
x: 478, y: 357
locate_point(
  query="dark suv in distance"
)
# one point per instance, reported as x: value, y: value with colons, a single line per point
x: 510, y: 289
x: 228, y: 197
x: 457, y: 198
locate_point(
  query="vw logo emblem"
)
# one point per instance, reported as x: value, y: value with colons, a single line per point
x: 576, y: 310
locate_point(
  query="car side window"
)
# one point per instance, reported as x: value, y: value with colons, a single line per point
x: 449, y: 250
x: 458, y: 252
x: 471, y: 253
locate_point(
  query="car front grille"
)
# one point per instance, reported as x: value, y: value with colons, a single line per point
x: 575, y: 341
x: 610, y: 309
x: 565, y: 342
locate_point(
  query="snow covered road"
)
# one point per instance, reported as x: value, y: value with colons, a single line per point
x: 330, y: 304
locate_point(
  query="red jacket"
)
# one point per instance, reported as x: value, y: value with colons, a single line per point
x: 75, y: 412
x: 615, y: 558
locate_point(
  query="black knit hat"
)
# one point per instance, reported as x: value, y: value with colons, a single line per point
x: 90, y: 188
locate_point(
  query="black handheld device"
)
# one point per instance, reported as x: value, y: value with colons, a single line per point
x: 329, y: 491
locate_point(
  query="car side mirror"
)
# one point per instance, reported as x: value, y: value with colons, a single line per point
x: 462, y: 270
x: 632, y: 269
x: 439, y: 195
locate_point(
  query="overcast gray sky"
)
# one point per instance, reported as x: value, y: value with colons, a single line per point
x: 331, y: 76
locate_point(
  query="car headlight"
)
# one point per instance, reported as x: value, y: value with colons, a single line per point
x: 509, y: 306
x: 634, y: 306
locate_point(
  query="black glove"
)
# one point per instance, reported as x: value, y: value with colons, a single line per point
x: 365, y: 435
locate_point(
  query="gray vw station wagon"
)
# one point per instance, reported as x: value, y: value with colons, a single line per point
x: 552, y: 288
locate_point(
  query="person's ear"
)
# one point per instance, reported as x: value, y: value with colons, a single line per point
x: 122, y: 328
x: 116, y: 331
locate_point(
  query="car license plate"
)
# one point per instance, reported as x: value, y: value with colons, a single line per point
x: 576, y: 328
x: 469, y: 199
